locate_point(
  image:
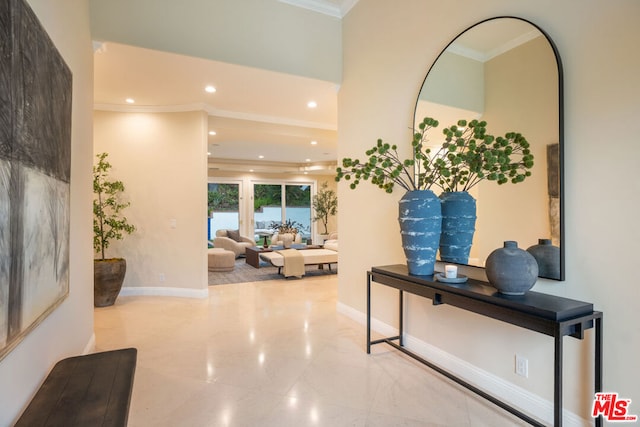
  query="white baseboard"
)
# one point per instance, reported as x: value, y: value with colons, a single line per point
x: 91, y: 345
x: 164, y: 292
x: 515, y: 396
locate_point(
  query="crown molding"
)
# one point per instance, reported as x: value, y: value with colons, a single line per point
x: 505, y: 47
x: 213, y: 112
x: 323, y: 6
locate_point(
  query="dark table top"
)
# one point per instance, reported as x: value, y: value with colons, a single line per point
x: 535, y: 303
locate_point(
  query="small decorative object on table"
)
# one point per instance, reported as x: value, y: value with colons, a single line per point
x: 450, y: 271
x: 511, y: 270
x: 450, y: 275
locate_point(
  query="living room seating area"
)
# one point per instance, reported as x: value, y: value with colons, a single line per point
x: 231, y: 240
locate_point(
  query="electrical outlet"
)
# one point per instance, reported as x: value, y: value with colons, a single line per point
x: 162, y: 277
x: 522, y: 366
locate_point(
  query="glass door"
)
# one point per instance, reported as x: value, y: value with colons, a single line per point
x: 223, y: 207
x: 275, y: 203
x: 267, y: 207
x: 298, y: 208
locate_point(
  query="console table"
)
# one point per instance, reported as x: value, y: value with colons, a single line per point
x: 547, y: 314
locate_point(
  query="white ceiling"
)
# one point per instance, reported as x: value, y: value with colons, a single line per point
x: 254, y: 112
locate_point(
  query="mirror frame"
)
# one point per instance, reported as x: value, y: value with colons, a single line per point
x: 560, y: 125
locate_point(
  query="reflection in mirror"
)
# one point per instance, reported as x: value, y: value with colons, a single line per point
x: 507, y: 72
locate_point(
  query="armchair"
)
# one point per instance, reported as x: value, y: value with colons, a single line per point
x: 276, y: 239
x: 231, y: 240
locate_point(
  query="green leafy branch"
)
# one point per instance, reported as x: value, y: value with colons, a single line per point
x: 108, y: 224
x: 468, y: 156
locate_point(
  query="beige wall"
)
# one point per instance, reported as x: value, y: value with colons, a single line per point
x: 387, y: 51
x: 161, y: 158
x: 68, y: 330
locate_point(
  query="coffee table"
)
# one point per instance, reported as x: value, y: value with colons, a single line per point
x: 252, y: 254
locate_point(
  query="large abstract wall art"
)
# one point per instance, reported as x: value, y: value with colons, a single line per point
x: 35, y: 169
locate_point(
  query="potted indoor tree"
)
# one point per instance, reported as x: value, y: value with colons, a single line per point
x: 108, y: 224
x: 325, y: 204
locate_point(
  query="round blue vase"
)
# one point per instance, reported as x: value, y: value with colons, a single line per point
x: 511, y: 270
x: 420, y: 219
x: 548, y: 257
x: 458, y: 226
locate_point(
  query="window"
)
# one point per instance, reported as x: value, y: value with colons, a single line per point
x: 223, y: 207
x: 276, y: 203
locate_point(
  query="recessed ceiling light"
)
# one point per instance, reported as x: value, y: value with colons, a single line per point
x: 250, y: 170
x: 312, y: 104
x: 306, y: 173
x: 212, y: 132
x: 307, y: 160
x: 210, y: 89
x: 261, y: 156
x: 208, y: 153
x: 130, y: 100
x: 314, y: 142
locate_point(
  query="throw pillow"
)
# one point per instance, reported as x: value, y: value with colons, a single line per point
x: 234, y: 235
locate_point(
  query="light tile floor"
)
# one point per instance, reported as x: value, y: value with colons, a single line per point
x: 275, y: 353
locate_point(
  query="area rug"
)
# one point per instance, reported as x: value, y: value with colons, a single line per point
x: 243, y: 272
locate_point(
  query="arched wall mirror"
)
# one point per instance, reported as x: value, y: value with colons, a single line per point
x: 506, y: 71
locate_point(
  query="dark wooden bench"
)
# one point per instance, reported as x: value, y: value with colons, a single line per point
x: 90, y: 390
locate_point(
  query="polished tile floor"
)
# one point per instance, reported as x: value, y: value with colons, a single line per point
x: 274, y: 353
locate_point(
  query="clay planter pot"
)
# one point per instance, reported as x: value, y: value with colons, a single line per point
x: 108, y: 276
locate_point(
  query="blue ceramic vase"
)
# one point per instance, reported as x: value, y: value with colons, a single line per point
x: 420, y: 219
x: 458, y: 226
x: 548, y: 257
x: 511, y: 270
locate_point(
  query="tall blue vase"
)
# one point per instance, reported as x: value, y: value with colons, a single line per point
x: 458, y: 226
x: 420, y: 219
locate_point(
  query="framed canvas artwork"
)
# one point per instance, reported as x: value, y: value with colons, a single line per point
x: 35, y: 171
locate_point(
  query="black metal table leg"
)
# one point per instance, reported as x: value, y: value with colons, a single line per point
x: 401, y: 325
x: 598, y: 363
x: 557, y: 381
x: 368, y: 312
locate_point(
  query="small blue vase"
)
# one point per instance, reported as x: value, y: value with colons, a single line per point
x: 511, y: 270
x: 420, y: 218
x: 458, y: 226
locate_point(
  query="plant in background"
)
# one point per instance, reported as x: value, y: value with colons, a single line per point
x: 325, y: 204
x: 108, y: 222
x: 468, y: 156
x: 289, y: 226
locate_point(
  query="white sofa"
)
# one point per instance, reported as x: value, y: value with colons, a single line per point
x: 332, y: 242
x: 310, y: 257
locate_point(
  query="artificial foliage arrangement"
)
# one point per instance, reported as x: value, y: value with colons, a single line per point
x: 468, y: 156
x: 289, y: 226
x: 108, y: 221
x: 325, y: 204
